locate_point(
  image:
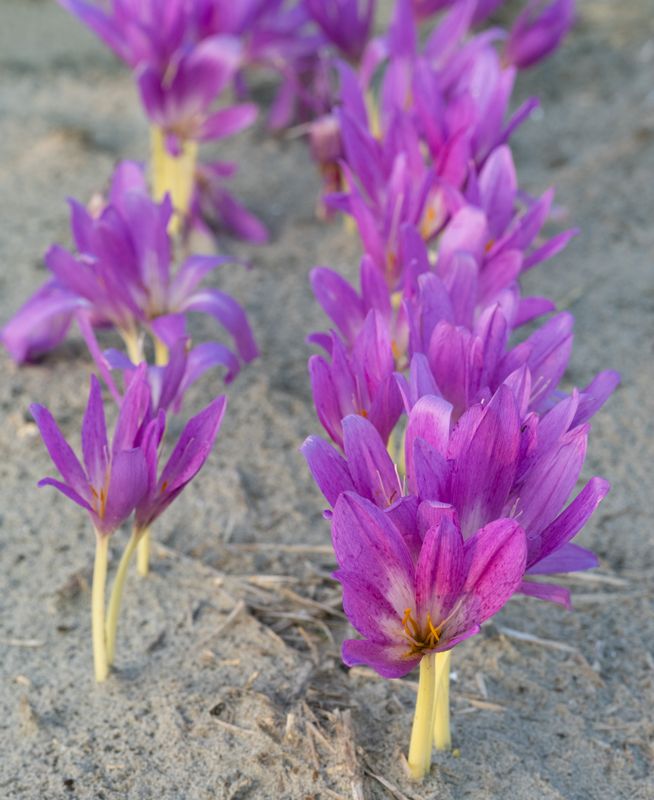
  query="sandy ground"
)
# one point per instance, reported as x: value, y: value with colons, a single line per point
x: 228, y: 682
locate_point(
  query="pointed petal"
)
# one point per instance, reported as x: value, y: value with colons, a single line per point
x: 95, y: 447
x: 329, y: 469
x: 60, y: 451
x: 440, y: 570
x: 372, y: 470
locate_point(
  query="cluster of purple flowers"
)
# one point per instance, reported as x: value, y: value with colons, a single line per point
x: 455, y: 448
x: 121, y: 276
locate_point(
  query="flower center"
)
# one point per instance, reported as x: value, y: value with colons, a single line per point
x: 419, y: 638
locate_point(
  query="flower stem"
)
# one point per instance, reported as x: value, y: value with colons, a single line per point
x: 442, y: 735
x: 97, y: 607
x: 160, y: 352
x: 116, y: 597
x: 143, y: 553
x: 423, y: 721
x: 134, y: 347
x: 173, y: 174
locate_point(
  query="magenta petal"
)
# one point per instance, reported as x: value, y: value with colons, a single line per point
x: 338, y: 300
x: 127, y: 487
x: 593, y: 397
x: 329, y: 469
x: 373, y: 472
x: 367, y: 609
x: 230, y: 315
x: 495, y: 559
x: 60, y: 451
x: 569, y: 557
x: 549, y: 482
x: 325, y: 398
x: 429, y: 420
x: 191, y: 274
x: 485, y: 465
x: 132, y: 411
x: 193, y: 447
x: 388, y: 661
x: 95, y: 447
x: 228, y: 121
x: 440, y: 572
x: 547, y: 591
x: 366, y: 543
x: 65, y: 489
x: 570, y: 521
x: 41, y: 323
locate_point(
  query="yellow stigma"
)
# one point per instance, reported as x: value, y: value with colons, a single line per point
x: 419, y: 639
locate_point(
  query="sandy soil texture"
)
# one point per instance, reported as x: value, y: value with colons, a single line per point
x: 229, y: 683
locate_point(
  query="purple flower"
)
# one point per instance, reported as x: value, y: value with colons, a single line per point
x: 178, y: 95
x: 41, y: 323
x: 346, y: 23
x: 121, y: 276
x: 113, y: 478
x: 538, y: 31
x: 491, y: 464
x: 213, y: 206
x: 361, y: 382
x: 411, y: 599
x: 186, y: 460
x: 136, y: 30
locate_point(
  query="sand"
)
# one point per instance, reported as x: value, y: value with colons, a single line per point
x: 228, y: 681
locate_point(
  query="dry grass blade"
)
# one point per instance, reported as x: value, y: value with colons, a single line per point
x: 238, y: 608
x: 522, y: 636
x: 314, y: 549
x: 22, y: 642
x: 391, y: 787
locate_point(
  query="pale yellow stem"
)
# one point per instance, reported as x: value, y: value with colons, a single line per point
x: 100, y: 662
x: 174, y: 175
x: 116, y: 597
x: 442, y: 735
x: 134, y: 346
x: 423, y: 721
x: 143, y: 553
x: 160, y: 352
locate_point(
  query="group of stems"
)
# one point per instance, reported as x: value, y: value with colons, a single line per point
x: 431, y: 722
x: 104, y: 626
x: 172, y: 174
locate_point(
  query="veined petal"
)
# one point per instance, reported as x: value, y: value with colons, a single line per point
x: 127, y: 487
x: 485, y: 466
x: 65, y: 489
x: 227, y: 122
x: 338, y: 300
x: 367, y: 543
x: 429, y: 420
x: 60, y: 451
x: 547, y: 591
x: 440, y: 570
x: 389, y: 661
x: 372, y: 470
x: 569, y: 557
x: 95, y: 447
x: 495, y: 559
x: 329, y: 468
x: 230, y: 315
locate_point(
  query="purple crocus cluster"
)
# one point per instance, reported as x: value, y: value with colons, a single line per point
x: 455, y: 450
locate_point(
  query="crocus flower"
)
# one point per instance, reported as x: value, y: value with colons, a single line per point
x: 109, y: 485
x: 346, y: 23
x: 410, y: 599
x: 112, y: 479
x: 361, y: 382
x: 187, y: 458
x: 121, y: 275
x: 538, y: 31
x: 491, y: 464
x: 414, y: 599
